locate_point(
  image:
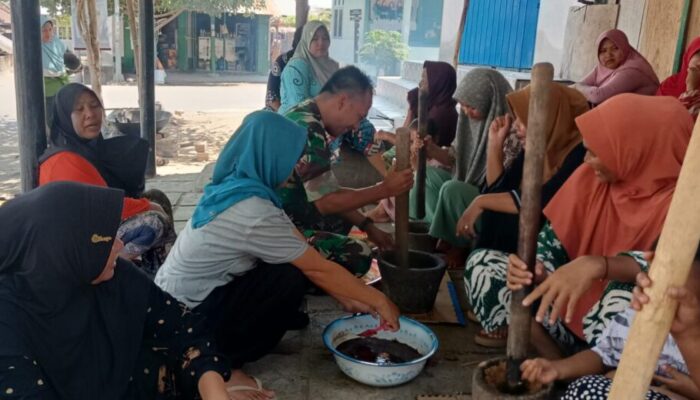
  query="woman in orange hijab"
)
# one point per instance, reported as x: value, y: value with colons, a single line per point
x: 617, y: 201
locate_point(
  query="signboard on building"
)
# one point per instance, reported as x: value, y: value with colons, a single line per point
x: 386, y: 14
x: 103, y: 26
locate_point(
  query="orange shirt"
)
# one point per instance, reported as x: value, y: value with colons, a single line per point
x: 69, y: 166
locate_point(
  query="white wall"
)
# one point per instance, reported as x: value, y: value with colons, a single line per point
x: 421, y: 54
x: 551, y: 25
x: 451, y: 14
x: 342, y: 48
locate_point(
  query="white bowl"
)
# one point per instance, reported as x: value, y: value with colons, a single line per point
x: 412, y: 333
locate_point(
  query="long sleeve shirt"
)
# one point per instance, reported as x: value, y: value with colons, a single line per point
x: 69, y: 166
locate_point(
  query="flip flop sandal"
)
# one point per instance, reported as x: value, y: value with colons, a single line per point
x: 494, y: 340
x: 244, y: 388
x: 472, y: 317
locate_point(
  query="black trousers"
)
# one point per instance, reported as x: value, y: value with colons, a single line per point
x: 251, y: 314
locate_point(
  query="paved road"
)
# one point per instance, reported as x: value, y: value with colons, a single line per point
x: 234, y: 97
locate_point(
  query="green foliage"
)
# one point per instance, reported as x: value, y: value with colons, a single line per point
x: 57, y: 7
x: 288, y: 20
x: 323, y: 16
x: 383, y: 49
x: 210, y: 6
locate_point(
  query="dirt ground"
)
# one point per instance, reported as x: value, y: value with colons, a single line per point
x: 187, y: 132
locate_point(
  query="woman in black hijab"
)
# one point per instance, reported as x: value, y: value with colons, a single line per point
x: 77, y: 322
x: 79, y: 153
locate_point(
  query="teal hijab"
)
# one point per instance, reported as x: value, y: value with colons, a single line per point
x: 52, y: 51
x: 256, y: 160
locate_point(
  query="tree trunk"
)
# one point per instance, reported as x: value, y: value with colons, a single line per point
x: 87, y: 24
x: 164, y: 19
x: 134, y: 29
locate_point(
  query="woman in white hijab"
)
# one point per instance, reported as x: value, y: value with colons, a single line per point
x: 309, y: 68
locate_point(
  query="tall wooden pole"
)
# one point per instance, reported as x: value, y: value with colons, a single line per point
x: 87, y: 24
x: 29, y: 88
x: 147, y: 90
x: 422, y: 133
x: 403, y: 161
x: 671, y: 266
x: 538, y: 117
x: 131, y: 13
x: 460, y: 33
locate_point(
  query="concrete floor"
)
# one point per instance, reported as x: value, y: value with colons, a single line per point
x: 302, y: 368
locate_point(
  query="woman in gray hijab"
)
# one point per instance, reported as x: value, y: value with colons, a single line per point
x: 482, y: 98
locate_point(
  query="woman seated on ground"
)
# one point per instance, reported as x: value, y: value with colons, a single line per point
x: 241, y: 261
x: 482, y: 97
x: 440, y: 79
x: 685, y: 85
x: 499, y: 197
x: 620, y: 69
x: 671, y: 380
x: 79, y: 322
x: 304, y: 76
x: 79, y: 153
x: 272, y: 97
x: 615, y: 202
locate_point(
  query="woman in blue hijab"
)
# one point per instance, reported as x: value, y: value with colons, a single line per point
x: 241, y: 261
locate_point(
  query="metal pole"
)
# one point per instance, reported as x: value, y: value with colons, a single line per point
x: 356, y: 44
x: 29, y: 88
x: 147, y: 90
x: 117, y: 43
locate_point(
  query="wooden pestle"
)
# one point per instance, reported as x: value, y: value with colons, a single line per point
x: 403, y: 161
x: 420, y: 171
x: 670, y: 267
x: 539, y: 116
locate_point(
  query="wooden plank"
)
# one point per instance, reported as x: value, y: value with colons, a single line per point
x: 660, y: 31
x: 631, y: 19
x: 583, y: 27
x: 403, y: 161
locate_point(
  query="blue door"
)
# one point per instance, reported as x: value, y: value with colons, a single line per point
x: 500, y: 33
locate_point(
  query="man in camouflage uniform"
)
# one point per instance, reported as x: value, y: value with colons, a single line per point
x: 313, y: 199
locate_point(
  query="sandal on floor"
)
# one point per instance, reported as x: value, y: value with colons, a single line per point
x: 494, y: 340
x: 472, y: 317
x: 244, y: 388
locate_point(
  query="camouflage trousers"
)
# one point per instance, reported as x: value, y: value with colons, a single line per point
x: 353, y: 254
x: 329, y: 235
